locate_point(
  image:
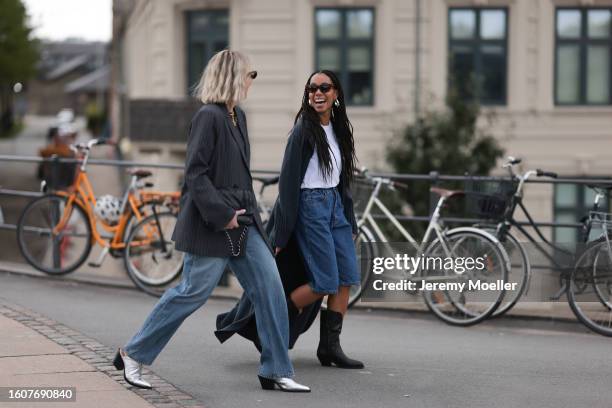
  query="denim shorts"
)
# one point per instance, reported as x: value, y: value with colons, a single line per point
x: 325, y: 239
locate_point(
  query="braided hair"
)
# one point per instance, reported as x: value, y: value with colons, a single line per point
x: 342, y: 128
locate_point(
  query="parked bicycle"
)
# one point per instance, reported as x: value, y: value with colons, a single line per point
x: 56, y: 232
x: 589, y: 288
x: 569, y: 263
x: 456, y: 307
x: 509, y: 194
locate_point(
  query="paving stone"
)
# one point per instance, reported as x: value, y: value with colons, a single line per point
x: 82, y: 362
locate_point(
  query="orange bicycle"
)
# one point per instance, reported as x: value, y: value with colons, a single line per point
x: 56, y: 232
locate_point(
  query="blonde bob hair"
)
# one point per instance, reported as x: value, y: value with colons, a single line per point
x: 223, y: 80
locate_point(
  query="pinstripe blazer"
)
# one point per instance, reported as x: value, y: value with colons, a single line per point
x: 217, y: 182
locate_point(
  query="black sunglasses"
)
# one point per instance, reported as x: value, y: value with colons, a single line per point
x: 324, y: 87
x: 252, y: 74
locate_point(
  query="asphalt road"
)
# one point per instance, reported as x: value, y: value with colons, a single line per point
x: 411, y: 361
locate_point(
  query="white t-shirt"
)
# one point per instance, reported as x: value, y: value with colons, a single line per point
x: 313, y: 177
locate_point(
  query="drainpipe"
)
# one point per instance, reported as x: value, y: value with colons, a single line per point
x: 417, y: 60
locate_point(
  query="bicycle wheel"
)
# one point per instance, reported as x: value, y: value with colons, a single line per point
x: 472, y: 292
x: 588, y: 292
x: 145, y: 210
x: 364, y: 248
x: 53, y: 237
x: 150, y: 258
x: 602, y: 279
x: 519, y: 274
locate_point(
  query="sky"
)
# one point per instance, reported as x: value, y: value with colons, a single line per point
x: 60, y: 19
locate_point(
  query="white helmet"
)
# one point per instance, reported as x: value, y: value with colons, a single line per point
x: 65, y: 116
x: 108, y: 208
x: 66, y: 129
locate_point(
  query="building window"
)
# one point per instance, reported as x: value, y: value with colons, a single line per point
x: 572, y: 203
x: 582, y: 56
x: 344, y: 43
x: 477, y: 49
x: 207, y: 33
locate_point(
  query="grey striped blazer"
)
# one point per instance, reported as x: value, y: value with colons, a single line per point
x: 217, y: 181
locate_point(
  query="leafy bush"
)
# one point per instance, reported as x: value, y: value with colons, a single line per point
x: 447, y: 142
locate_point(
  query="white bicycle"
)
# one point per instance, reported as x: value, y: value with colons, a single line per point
x: 460, y: 305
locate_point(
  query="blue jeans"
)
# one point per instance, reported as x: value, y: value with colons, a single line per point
x: 257, y: 273
x: 325, y: 239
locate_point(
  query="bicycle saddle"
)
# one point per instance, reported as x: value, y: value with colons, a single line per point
x: 140, y: 173
x: 444, y: 192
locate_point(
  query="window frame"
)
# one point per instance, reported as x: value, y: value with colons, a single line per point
x: 189, y: 15
x: 579, y: 210
x: 344, y: 43
x: 474, y: 44
x: 583, y: 42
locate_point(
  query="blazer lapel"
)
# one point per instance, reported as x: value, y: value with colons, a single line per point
x: 247, y: 148
x: 235, y: 132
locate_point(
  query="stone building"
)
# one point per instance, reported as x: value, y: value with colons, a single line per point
x: 543, y: 67
x: 70, y: 74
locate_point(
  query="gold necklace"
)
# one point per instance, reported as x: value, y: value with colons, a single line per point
x: 233, y: 116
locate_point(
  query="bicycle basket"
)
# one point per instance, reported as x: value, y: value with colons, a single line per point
x: 488, y: 199
x: 485, y: 206
x: 58, y: 175
x: 600, y: 221
x: 361, y: 189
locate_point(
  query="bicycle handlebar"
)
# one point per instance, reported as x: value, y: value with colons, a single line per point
x: 542, y: 173
x: 512, y: 161
x: 391, y: 184
x: 87, y: 146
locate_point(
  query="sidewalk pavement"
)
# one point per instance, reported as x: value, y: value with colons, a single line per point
x: 39, y: 352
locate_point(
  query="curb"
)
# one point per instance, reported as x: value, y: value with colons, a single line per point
x: 15, y: 269
x: 163, y: 395
x: 232, y: 294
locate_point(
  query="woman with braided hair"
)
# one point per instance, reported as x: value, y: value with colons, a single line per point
x: 312, y: 224
x: 315, y: 209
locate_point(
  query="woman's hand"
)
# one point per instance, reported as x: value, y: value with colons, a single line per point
x: 234, y: 221
x: 277, y: 250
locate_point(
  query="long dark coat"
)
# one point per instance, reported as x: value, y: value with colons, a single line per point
x: 299, y: 150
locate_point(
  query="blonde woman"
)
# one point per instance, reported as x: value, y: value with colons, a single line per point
x: 218, y: 226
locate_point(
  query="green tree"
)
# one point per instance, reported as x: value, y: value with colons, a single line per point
x: 18, y: 52
x: 447, y: 142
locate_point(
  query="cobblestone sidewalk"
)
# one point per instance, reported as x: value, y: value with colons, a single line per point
x: 36, y: 351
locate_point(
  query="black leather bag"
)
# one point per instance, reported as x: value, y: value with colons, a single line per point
x: 237, y: 237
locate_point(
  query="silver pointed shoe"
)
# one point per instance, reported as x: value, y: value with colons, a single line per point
x: 284, y: 384
x: 132, y: 370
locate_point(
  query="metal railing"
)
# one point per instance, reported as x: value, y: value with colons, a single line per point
x: 433, y: 178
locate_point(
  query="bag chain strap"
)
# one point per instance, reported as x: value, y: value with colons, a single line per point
x: 240, y: 240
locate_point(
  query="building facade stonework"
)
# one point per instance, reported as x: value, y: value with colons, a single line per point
x: 409, y: 44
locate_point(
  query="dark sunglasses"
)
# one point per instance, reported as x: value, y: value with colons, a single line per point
x: 324, y: 87
x: 252, y: 74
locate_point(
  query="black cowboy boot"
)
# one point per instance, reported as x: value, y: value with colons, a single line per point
x: 329, y: 351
